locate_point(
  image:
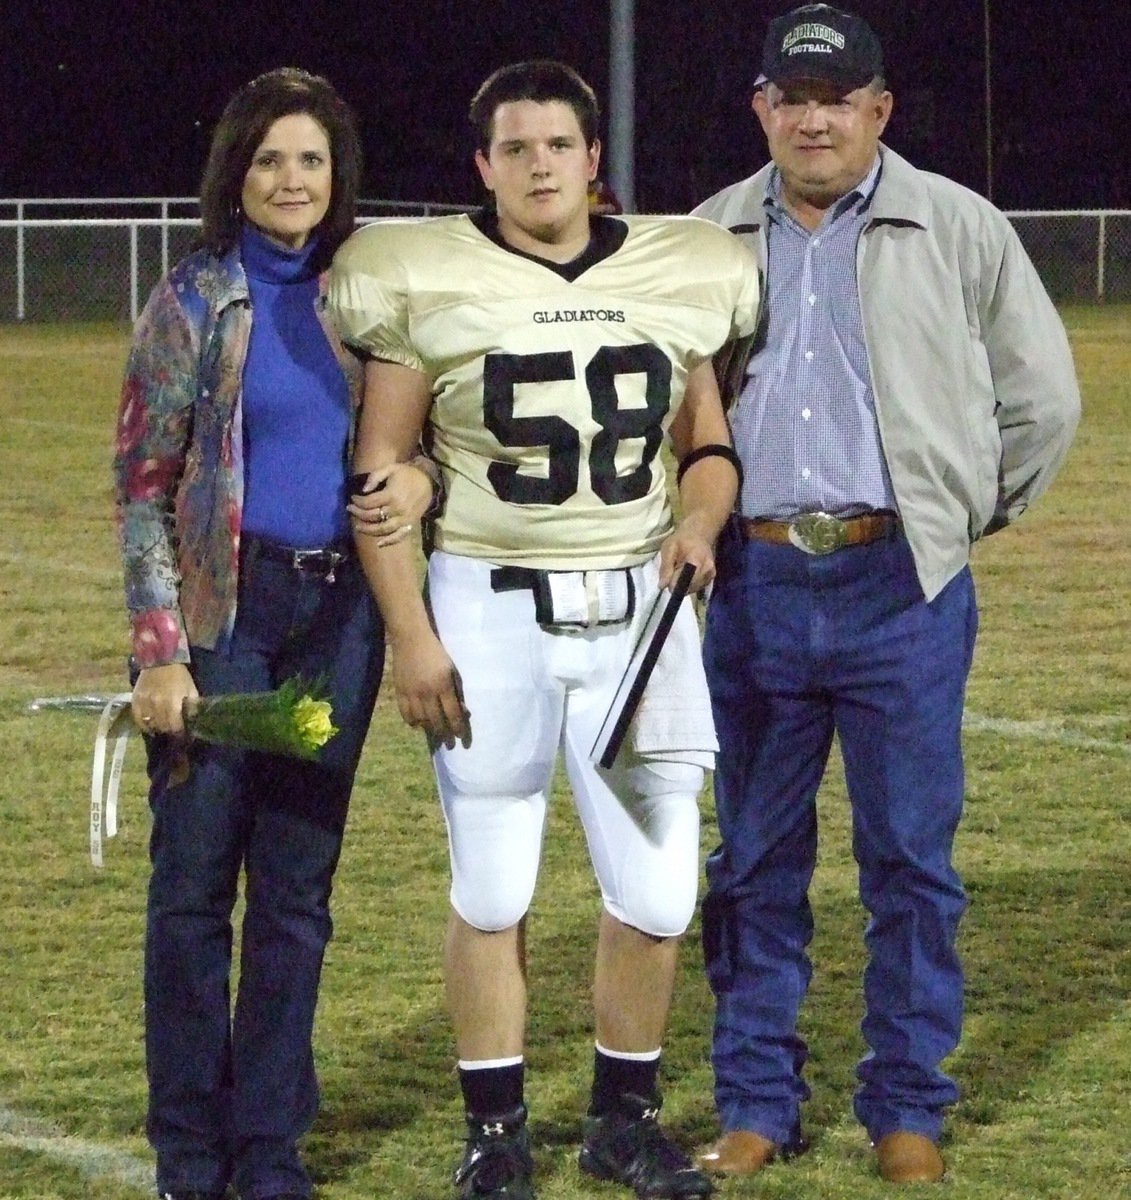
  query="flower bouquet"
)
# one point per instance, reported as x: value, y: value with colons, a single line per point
x: 292, y: 720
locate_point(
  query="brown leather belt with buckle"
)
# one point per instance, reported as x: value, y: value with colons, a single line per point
x: 820, y: 532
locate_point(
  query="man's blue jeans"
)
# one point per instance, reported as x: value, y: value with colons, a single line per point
x: 230, y: 1093
x: 798, y: 647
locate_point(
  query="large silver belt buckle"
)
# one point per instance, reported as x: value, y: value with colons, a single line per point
x: 818, y: 533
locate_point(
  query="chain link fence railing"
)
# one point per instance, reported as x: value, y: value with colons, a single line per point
x: 97, y: 260
x: 1082, y: 256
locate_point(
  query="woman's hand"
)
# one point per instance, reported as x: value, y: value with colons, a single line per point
x: 394, y: 500
x: 158, y: 703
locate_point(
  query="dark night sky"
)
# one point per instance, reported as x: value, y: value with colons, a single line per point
x: 119, y: 99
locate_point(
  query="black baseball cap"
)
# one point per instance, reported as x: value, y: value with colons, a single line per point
x: 818, y: 41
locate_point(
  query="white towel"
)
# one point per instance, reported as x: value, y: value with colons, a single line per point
x: 674, y: 721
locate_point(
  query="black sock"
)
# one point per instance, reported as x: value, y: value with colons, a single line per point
x: 613, y: 1077
x: 492, y: 1091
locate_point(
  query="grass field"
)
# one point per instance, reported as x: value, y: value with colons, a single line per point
x: 1045, y: 849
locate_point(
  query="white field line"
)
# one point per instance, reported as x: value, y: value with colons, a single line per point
x: 1052, y: 729
x: 92, y: 1160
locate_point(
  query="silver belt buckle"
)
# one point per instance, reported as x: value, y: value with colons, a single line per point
x: 818, y: 533
x: 325, y: 561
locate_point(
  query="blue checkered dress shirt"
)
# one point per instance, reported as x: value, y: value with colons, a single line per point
x: 805, y: 423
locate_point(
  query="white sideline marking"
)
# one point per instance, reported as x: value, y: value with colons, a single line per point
x: 1051, y: 729
x: 92, y: 1160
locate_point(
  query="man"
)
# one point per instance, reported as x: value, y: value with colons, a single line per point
x: 545, y: 352
x: 910, y: 390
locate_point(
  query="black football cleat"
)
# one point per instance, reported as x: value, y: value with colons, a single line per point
x: 627, y: 1145
x: 496, y: 1163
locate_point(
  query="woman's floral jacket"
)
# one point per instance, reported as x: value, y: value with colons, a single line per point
x: 178, y: 463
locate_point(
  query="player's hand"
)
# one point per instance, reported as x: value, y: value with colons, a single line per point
x: 160, y: 696
x: 687, y: 544
x: 387, y: 504
x: 429, y: 692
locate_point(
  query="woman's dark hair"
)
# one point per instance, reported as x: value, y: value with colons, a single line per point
x: 541, y: 80
x: 240, y: 131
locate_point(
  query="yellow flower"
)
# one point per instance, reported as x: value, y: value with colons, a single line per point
x: 312, y: 720
x: 287, y: 721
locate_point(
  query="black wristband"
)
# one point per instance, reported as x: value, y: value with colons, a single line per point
x: 712, y: 450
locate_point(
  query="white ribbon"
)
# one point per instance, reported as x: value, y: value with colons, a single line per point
x: 115, y: 722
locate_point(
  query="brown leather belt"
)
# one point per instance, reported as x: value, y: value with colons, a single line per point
x: 819, y: 532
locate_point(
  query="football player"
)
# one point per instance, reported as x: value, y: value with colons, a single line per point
x: 544, y: 353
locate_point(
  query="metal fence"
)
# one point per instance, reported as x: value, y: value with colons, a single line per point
x: 96, y: 260
x: 1081, y: 255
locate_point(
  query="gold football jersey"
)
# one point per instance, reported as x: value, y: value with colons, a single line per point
x: 552, y: 395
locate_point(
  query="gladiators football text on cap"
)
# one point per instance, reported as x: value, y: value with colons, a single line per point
x: 818, y: 41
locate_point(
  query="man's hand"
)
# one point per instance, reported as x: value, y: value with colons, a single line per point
x: 688, y: 543
x: 429, y: 693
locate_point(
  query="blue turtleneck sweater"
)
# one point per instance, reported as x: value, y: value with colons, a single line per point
x: 296, y: 405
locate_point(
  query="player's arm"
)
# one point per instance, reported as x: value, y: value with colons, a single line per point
x: 394, y: 409
x: 708, y: 484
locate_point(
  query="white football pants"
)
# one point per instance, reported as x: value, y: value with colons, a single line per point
x: 530, y: 692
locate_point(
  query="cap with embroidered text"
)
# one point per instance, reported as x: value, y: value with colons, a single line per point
x: 818, y: 41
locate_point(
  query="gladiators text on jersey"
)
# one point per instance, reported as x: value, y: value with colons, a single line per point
x: 574, y: 314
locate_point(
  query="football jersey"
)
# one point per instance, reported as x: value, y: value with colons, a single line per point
x: 553, y: 385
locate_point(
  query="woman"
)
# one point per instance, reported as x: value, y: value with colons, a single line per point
x: 234, y: 434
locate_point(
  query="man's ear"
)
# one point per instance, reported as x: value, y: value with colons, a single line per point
x: 484, y: 167
x: 884, y: 103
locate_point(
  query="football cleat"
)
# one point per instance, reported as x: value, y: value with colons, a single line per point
x: 628, y: 1145
x: 496, y: 1163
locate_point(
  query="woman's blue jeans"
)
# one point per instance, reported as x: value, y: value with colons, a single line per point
x: 231, y: 1091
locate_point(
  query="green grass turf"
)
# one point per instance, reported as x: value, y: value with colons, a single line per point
x: 1044, y: 849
